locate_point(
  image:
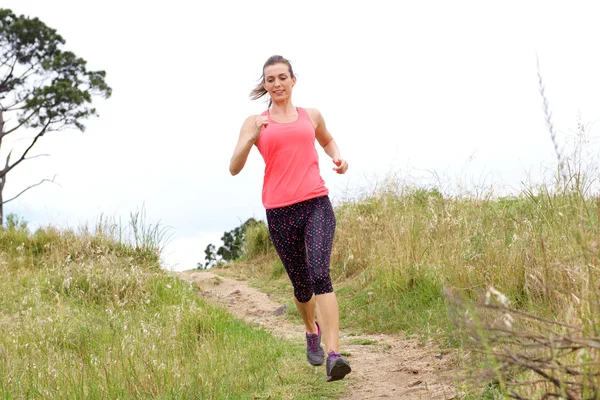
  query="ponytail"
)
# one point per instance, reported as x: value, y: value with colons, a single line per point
x: 259, y: 91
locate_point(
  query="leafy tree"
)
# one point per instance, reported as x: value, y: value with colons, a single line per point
x: 233, y: 242
x: 45, y: 88
x: 232, y: 248
x: 210, y: 257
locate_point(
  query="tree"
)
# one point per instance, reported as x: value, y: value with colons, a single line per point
x: 46, y: 88
x: 232, y: 248
x: 210, y: 257
x: 233, y: 241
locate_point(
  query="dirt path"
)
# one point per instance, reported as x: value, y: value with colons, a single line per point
x: 392, y: 367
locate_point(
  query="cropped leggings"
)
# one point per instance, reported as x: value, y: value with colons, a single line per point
x: 303, y: 235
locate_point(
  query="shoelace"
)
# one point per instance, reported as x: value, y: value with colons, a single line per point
x: 333, y: 355
x: 312, y: 342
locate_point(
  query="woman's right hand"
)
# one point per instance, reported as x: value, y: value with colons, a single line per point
x: 259, y: 122
x: 249, y: 134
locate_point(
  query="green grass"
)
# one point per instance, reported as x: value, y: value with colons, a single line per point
x: 399, y: 251
x: 387, y: 305
x: 85, y: 316
x: 396, y: 250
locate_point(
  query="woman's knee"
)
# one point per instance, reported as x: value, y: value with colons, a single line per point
x: 303, y: 295
x: 322, y: 284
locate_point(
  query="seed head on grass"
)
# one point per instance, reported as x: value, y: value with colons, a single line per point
x: 549, y: 123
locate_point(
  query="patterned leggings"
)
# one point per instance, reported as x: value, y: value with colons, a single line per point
x: 303, y: 235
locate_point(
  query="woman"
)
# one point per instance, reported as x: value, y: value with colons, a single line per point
x: 299, y: 213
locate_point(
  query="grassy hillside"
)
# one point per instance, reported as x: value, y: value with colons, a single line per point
x: 83, y: 315
x: 412, y: 259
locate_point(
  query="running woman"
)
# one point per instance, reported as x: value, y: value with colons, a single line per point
x: 299, y: 213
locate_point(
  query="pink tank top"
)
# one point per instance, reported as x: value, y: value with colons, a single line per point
x: 291, y: 162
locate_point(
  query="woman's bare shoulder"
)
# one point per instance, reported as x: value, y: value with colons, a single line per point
x: 250, y: 119
x: 315, y: 116
x: 313, y: 112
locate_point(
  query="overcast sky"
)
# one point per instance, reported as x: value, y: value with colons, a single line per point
x: 419, y: 88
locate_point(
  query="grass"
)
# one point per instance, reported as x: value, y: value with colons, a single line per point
x: 396, y: 249
x: 91, y: 314
x: 83, y: 315
x: 399, y: 249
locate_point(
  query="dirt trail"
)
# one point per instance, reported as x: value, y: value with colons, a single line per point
x: 392, y: 367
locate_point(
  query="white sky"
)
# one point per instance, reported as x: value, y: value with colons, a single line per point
x: 415, y: 87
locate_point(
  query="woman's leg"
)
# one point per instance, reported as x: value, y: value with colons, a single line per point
x: 320, y: 229
x: 286, y: 227
x: 307, y: 312
x: 329, y: 319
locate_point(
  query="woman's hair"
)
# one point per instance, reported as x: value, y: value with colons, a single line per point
x: 259, y: 91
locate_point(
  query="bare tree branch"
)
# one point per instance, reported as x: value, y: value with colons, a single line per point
x: 1, y: 124
x: 9, y: 74
x: 537, y: 370
x: 8, y: 158
x: 16, y: 102
x: 6, y: 61
x: 1, y: 127
x: 25, y: 76
x: 30, y: 187
x: 3, y: 177
x: 13, y: 108
x: 527, y: 315
x: 7, y: 169
x: 21, y: 124
x: 37, y: 155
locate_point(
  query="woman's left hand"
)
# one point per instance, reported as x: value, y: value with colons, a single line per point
x: 341, y: 166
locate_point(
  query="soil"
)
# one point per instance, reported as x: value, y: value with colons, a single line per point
x: 383, y: 366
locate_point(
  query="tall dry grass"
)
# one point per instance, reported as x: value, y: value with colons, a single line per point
x: 554, y: 356
x: 399, y: 248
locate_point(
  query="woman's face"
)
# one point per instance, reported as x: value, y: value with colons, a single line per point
x: 278, y: 81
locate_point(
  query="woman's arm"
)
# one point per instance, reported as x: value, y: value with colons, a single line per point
x: 327, y: 142
x: 249, y: 134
